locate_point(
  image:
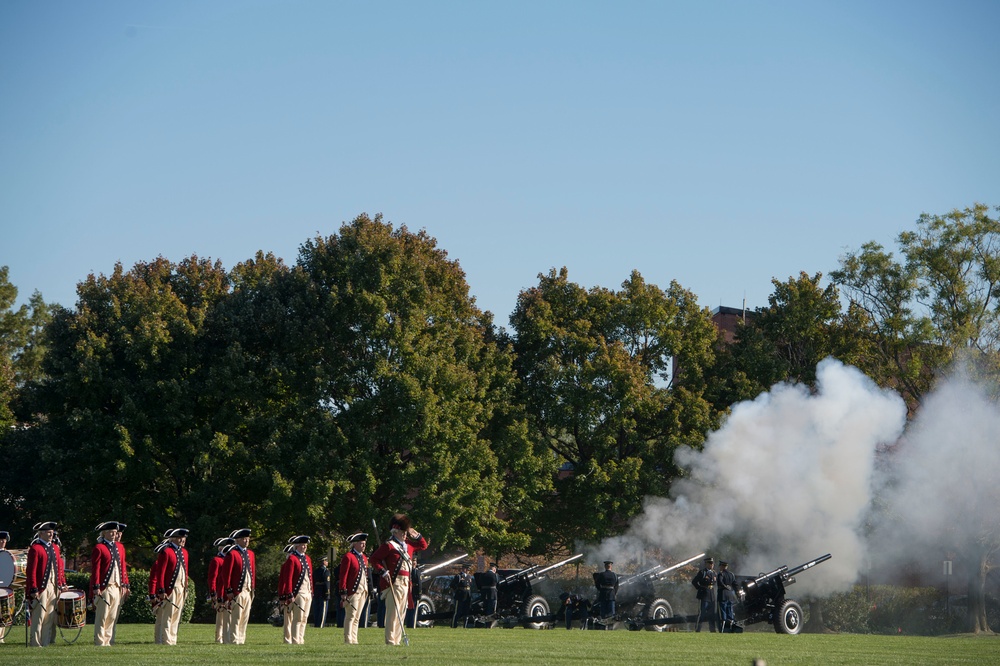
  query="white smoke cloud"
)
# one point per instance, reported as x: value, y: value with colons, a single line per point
x: 788, y: 478
x: 943, y: 487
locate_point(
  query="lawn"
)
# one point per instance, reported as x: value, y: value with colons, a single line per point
x: 441, y: 645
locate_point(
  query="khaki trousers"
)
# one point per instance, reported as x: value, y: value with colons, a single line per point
x: 236, y: 627
x: 43, y: 614
x: 297, y: 616
x: 395, y: 609
x: 220, y: 622
x: 168, y: 615
x: 352, y: 614
x: 106, y: 607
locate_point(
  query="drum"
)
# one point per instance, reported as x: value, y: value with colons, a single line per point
x: 71, y: 610
x: 6, y: 607
x: 8, y: 569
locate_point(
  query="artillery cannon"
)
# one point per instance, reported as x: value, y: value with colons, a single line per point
x: 638, y: 604
x: 517, y: 602
x: 426, y: 609
x: 762, y: 599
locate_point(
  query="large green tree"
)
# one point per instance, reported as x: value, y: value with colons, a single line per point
x: 802, y: 324
x: 366, y: 381
x: 613, y: 383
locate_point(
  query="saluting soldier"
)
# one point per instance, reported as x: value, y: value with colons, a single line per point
x: 704, y: 582
x: 461, y: 587
x: 295, y: 589
x: 352, y: 582
x: 216, y: 592
x: 239, y: 571
x: 606, y: 583
x: 108, y: 581
x: 44, y: 578
x: 393, y: 563
x: 168, y: 581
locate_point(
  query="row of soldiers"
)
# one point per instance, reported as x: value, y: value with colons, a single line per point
x: 232, y: 582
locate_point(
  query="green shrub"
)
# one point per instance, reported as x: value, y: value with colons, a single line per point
x: 887, y: 609
x: 136, y: 608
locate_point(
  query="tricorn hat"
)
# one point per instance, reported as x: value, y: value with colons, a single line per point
x: 288, y: 548
x: 160, y: 546
x: 110, y: 525
x: 240, y: 533
x: 360, y: 536
x: 177, y: 532
x: 222, y: 541
x: 301, y: 538
x: 46, y: 525
x: 399, y: 521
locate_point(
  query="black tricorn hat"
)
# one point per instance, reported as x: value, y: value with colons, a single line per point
x: 177, y: 532
x: 46, y: 525
x: 360, y: 536
x: 222, y: 541
x: 301, y: 538
x: 163, y: 544
x: 399, y: 521
x: 288, y: 548
x: 110, y: 525
x: 240, y: 533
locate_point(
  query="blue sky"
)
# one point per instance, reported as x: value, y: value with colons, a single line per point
x: 718, y: 144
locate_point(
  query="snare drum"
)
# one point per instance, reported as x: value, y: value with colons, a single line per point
x: 71, y: 610
x: 6, y: 607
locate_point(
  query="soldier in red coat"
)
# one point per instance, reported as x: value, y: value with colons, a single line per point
x: 239, y: 573
x: 352, y: 582
x: 216, y: 591
x: 168, y: 585
x: 44, y: 579
x: 295, y: 589
x: 393, y: 564
x: 108, y: 581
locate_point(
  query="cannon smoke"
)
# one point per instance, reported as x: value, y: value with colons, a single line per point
x: 792, y: 475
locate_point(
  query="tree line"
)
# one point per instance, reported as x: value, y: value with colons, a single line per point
x: 363, y: 379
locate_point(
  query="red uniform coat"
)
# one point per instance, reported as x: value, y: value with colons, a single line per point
x: 38, y: 560
x: 100, y: 560
x: 163, y: 570
x: 387, y: 558
x: 349, y: 572
x: 215, y: 588
x: 291, y: 573
x: 232, y: 571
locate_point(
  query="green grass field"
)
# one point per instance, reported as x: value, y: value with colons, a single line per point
x: 442, y: 645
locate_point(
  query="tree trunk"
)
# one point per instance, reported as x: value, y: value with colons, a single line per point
x: 977, y: 594
x: 816, y: 623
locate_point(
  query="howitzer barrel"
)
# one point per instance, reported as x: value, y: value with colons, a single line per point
x: 442, y: 565
x: 660, y: 575
x: 556, y: 565
x: 523, y: 573
x: 808, y: 565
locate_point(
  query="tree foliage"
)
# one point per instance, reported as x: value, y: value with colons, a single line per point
x: 613, y: 382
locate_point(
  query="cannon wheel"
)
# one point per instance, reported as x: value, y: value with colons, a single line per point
x: 425, y: 607
x: 536, y: 606
x: 789, y: 618
x: 659, y: 609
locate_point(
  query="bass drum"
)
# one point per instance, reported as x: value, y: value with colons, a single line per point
x: 658, y: 610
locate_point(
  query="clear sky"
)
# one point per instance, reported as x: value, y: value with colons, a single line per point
x: 718, y: 144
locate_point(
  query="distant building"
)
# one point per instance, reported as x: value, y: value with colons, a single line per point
x: 726, y: 319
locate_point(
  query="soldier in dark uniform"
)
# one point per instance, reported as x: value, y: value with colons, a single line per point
x: 488, y: 589
x: 726, y: 580
x: 461, y: 587
x: 606, y: 583
x: 704, y: 582
x: 574, y: 605
x: 321, y: 590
